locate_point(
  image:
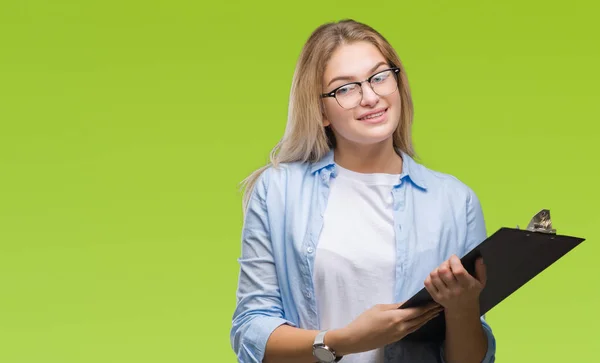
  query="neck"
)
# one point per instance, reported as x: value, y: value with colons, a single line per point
x: 376, y: 158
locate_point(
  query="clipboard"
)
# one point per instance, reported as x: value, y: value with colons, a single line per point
x: 512, y: 257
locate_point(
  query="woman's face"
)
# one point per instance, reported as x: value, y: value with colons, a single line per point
x: 356, y: 125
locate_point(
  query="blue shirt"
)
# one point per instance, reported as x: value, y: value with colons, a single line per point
x: 435, y: 216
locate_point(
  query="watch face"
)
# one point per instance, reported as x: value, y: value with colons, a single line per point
x: 324, y: 355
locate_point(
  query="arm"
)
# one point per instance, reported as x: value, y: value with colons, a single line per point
x: 259, y: 332
x: 468, y: 337
x: 288, y: 344
x: 376, y: 327
x: 259, y: 310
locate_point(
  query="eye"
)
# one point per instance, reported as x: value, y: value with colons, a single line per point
x: 380, y: 77
x: 346, y: 90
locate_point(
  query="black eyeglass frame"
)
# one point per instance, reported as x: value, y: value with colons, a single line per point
x: 396, y: 71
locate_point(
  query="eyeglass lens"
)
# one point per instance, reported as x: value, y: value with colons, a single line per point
x: 382, y: 83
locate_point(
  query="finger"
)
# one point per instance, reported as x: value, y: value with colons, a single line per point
x: 424, y: 317
x: 418, y: 322
x: 446, y: 275
x: 460, y: 273
x: 412, y: 313
x: 437, y: 281
x: 383, y: 307
x: 430, y: 307
x: 433, y: 291
x: 397, y: 306
x: 413, y: 328
x: 481, y: 271
x: 417, y: 311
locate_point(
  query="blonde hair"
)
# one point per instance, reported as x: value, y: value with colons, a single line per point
x: 305, y: 138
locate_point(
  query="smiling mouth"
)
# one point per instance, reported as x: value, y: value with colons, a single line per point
x: 373, y: 115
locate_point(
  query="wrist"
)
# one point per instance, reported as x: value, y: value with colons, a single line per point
x: 465, y: 311
x: 339, y: 341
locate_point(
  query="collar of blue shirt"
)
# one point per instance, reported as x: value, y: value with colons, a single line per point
x: 410, y: 168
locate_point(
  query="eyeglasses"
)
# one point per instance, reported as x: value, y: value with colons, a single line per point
x: 350, y: 95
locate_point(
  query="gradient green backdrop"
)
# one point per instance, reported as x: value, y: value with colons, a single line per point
x: 126, y: 126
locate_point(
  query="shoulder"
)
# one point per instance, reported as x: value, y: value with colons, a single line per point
x: 444, y: 185
x: 281, y: 188
x: 282, y: 173
x: 452, y: 198
x: 278, y: 182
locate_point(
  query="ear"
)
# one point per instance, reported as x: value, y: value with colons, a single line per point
x: 325, y: 120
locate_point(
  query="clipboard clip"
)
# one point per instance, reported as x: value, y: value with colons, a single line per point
x: 541, y: 222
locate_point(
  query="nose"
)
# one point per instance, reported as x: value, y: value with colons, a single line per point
x: 369, y: 97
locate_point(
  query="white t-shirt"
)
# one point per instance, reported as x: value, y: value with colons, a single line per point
x: 355, y: 259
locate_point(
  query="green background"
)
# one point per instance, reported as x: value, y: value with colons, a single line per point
x: 127, y: 126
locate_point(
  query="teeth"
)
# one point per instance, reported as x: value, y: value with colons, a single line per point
x: 373, y: 115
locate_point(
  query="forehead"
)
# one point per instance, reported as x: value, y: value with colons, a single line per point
x: 354, y: 60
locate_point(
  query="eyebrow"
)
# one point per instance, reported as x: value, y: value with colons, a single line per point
x: 347, y: 78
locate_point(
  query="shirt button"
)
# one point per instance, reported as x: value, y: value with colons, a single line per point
x: 310, y: 250
x: 308, y: 294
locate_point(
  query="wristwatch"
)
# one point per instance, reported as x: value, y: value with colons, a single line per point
x: 323, y: 353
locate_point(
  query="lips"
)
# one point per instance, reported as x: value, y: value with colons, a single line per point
x: 372, y: 115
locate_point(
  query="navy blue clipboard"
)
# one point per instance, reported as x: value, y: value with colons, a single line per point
x: 512, y: 257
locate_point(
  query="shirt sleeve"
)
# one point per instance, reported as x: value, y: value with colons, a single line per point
x: 259, y: 310
x: 490, y: 355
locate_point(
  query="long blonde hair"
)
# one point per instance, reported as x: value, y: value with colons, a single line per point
x: 305, y: 138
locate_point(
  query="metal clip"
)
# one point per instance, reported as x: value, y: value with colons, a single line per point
x: 541, y: 222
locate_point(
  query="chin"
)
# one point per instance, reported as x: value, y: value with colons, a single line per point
x: 379, y: 134
x: 375, y: 141
x: 374, y: 138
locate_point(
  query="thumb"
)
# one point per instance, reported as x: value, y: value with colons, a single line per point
x: 480, y: 271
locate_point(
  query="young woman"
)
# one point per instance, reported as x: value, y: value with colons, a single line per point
x: 344, y: 225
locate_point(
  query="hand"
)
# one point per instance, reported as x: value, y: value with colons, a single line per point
x: 453, y: 287
x: 382, y: 325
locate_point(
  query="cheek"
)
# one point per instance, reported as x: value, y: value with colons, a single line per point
x: 395, y: 101
x: 396, y: 105
x: 338, y: 116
